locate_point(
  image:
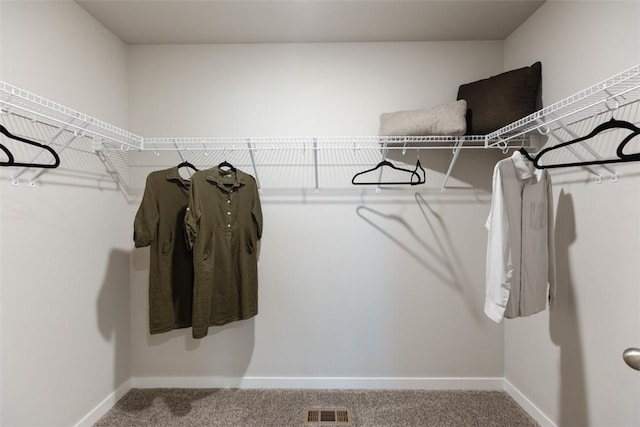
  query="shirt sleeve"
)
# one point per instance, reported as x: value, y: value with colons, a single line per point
x: 191, y: 217
x: 256, y: 211
x: 145, y: 223
x: 499, y: 268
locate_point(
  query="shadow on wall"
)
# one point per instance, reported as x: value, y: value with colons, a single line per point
x: 564, y: 327
x: 229, y: 348
x: 113, y: 313
x: 473, y: 166
x: 441, y: 258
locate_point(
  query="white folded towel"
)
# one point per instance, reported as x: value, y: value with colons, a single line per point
x: 444, y: 119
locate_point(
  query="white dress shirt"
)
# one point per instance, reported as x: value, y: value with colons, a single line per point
x: 520, y: 276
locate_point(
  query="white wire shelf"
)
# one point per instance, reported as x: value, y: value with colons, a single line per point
x: 123, y: 153
x: 19, y: 101
x: 615, y: 92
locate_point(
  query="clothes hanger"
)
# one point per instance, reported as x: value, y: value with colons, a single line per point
x: 9, y: 155
x: 414, y: 175
x: 419, y: 167
x: 228, y: 165
x: 611, y: 124
x: 186, y: 164
x: 12, y: 161
x: 634, y: 156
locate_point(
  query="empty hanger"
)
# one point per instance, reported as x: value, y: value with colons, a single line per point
x: 9, y: 155
x: 420, y: 171
x: 414, y: 180
x: 12, y: 161
x: 611, y: 124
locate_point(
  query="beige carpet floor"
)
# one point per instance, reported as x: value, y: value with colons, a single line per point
x: 262, y: 408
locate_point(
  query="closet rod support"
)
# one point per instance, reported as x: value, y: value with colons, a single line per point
x: 385, y: 152
x: 456, y: 152
x: 315, y: 165
x: 587, y: 147
x: 49, y: 141
x: 253, y: 163
x: 68, y: 143
x: 579, y: 157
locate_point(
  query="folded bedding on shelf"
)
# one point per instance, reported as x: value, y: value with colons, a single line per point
x: 502, y: 99
x: 444, y: 119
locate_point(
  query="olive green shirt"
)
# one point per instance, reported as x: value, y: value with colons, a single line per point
x: 159, y: 223
x: 223, y: 225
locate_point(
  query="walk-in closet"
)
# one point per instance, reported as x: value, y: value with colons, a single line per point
x: 305, y: 212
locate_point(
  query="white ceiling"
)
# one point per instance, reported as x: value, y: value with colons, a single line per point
x: 282, y: 21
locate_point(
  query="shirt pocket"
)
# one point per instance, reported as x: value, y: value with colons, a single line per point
x: 167, y: 244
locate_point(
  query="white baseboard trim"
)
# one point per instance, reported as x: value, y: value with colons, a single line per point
x: 527, y: 405
x: 96, y: 413
x: 383, y: 383
x: 321, y: 383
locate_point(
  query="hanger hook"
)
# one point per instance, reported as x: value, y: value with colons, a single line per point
x: 616, y: 103
x: 504, y: 145
x: 544, y: 130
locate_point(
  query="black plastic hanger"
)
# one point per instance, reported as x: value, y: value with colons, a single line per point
x: 611, y: 124
x: 186, y: 164
x: 9, y: 155
x: 12, y: 161
x: 226, y: 164
x: 419, y: 170
x: 414, y: 180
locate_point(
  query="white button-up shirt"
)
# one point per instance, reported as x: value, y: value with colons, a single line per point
x: 520, y: 276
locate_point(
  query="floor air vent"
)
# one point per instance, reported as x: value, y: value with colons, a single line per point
x: 328, y: 417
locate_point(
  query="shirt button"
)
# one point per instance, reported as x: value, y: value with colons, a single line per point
x: 228, y: 202
x: 228, y: 213
x: 228, y: 225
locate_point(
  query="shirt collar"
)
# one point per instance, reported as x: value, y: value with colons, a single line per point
x: 224, y: 179
x: 524, y: 167
x: 174, y: 175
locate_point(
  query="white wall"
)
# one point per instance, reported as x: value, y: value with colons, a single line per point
x: 352, y: 284
x: 65, y: 246
x: 1, y: 238
x: 393, y: 280
x: 568, y: 362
